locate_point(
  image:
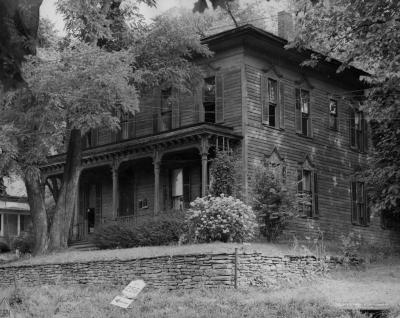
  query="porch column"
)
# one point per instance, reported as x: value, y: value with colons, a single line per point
x: 115, y: 189
x: 157, y: 164
x: 204, y: 146
x: 18, y: 224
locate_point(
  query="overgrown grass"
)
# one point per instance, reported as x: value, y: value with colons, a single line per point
x: 78, y: 301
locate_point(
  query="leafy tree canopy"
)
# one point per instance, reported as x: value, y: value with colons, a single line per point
x: 365, y: 34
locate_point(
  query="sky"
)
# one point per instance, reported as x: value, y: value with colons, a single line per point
x: 48, y: 9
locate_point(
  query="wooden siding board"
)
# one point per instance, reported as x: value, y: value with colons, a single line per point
x: 329, y: 151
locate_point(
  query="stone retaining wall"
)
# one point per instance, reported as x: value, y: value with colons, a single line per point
x: 179, y: 271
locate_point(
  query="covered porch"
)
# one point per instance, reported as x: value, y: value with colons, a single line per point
x: 149, y: 177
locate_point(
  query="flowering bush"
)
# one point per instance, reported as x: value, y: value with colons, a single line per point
x: 220, y: 218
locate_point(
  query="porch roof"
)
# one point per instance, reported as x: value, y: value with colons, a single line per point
x: 143, y: 146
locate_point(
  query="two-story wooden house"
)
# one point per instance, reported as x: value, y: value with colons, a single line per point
x: 257, y: 100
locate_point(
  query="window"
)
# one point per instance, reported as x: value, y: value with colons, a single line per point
x: 166, y: 109
x: 127, y: 126
x: 213, y: 104
x: 209, y: 100
x: 303, y: 112
x: 143, y: 204
x: 1, y: 224
x: 272, y: 104
x: 358, y: 133
x: 333, y: 114
x: 359, y: 211
x: 307, y: 189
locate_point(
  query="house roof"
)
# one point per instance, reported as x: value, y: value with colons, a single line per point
x: 255, y: 38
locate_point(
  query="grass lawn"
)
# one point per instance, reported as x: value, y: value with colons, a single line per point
x: 376, y: 287
x: 72, y: 256
x: 61, y: 301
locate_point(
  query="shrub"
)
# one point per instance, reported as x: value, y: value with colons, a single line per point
x: 154, y: 232
x: 220, y: 218
x: 24, y: 243
x: 223, y: 174
x: 4, y: 247
x: 273, y: 203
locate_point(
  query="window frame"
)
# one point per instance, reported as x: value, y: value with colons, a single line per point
x: 166, y: 109
x: 358, y: 133
x: 302, y: 116
x: 313, y: 208
x: 333, y: 116
x: 360, y: 214
x: 267, y: 103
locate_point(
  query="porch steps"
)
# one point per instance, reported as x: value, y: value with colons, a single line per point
x: 82, y: 246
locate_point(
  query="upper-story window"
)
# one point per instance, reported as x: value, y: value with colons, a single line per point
x: 272, y: 106
x: 358, y: 133
x: 212, y: 102
x: 303, y: 112
x: 166, y: 109
x: 128, y: 126
x: 359, y: 210
x: 209, y: 99
x: 333, y: 114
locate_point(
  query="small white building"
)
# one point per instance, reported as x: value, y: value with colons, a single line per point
x: 14, y: 210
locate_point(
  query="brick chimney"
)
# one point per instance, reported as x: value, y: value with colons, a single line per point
x: 285, y: 25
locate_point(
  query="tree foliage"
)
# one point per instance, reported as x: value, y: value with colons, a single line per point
x: 19, y: 21
x: 365, y: 34
x: 83, y: 82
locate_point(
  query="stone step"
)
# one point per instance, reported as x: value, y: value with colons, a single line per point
x: 82, y: 246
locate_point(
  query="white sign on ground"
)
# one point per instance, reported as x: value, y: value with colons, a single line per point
x: 5, y: 310
x: 133, y: 289
x: 129, y: 293
x: 121, y: 302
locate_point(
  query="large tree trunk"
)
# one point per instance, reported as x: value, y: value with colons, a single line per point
x: 62, y: 220
x: 35, y: 191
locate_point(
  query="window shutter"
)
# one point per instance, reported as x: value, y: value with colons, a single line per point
x: 281, y: 105
x: 186, y: 186
x: 315, y: 196
x: 367, y: 211
x: 155, y: 122
x: 365, y: 135
x: 219, y: 99
x: 310, y: 130
x: 298, y: 111
x: 132, y: 126
x: 176, y: 109
x: 98, y: 202
x: 299, y: 180
x: 352, y: 129
x: 353, y: 198
x: 197, y: 102
x: 264, y: 99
